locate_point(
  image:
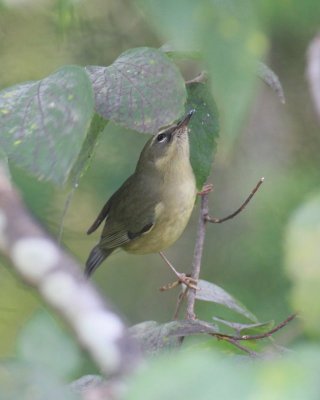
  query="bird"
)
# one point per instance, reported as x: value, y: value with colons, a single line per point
x: 151, y: 209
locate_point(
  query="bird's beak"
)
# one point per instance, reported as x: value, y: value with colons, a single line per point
x: 186, y: 119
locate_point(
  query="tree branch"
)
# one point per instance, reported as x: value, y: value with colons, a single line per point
x: 201, y: 232
x: 57, y: 277
x: 259, y: 336
x: 238, y: 211
x: 197, y: 255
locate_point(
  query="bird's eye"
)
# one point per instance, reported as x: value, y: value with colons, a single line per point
x: 162, y: 137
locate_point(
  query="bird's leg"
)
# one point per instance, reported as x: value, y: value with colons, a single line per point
x: 207, y: 188
x: 182, y: 278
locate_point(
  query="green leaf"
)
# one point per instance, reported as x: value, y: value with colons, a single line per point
x: 42, y: 342
x: 142, y: 90
x: 97, y: 126
x: 154, y: 337
x: 230, y: 40
x: 271, y: 79
x: 204, y: 130
x: 205, y: 375
x: 44, y: 123
x: 246, y: 329
x: 24, y: 381
x: 191, y: 375
x: 302, y: 262
x: 208, y: 291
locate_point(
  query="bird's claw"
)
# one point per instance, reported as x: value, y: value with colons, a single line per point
x: 207, y: 188
x: 182, y: 279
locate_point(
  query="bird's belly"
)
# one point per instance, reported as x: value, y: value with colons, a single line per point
x: 168, y: 227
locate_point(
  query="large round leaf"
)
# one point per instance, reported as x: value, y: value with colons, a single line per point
x: 44, y: 123
x: 142, y: 90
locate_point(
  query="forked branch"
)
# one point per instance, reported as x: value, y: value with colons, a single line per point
x: 201, y: 233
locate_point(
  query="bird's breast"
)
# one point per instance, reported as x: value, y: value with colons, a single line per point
x: 172, y: 214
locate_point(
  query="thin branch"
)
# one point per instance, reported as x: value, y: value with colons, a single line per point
x: 238, y: 211
x: 197, y: 255
x: 58, y: 278
x: 180, y: 300
x: 257, y: 337
x: 182, y: 278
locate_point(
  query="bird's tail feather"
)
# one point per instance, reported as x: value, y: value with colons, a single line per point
x: 96, y: 257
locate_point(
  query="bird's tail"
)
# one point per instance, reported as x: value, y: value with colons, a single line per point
x: 96, y: 257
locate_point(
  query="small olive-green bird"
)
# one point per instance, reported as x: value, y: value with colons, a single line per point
x: 151, y: 209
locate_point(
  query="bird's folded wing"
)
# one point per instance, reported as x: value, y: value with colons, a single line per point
x: 120, y: 237
x: 100, y: 218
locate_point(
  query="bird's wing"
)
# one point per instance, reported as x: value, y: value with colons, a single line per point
x: 118, y: 237
x: 106, y: 208
x: 100, y: 218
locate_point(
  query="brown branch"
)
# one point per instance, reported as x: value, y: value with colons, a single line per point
x: 180, y: 300
x: 257, y: 337
x: 201, y: 233
x: 238, y: 211
x: 43, y: 264
x: 197, y: 255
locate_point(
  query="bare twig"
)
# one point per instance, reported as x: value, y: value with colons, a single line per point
x: 260, y: 336
x: 180, y: 300
x: 197, y: 255
x: 58, y: 278
x: 182, y: 278
x: 238, y: 211
x: 313, y: 72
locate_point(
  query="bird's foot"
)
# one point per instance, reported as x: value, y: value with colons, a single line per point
x: 207, y: 188
x: 184, y: 279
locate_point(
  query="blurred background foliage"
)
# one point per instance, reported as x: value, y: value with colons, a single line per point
x: 268, y: 256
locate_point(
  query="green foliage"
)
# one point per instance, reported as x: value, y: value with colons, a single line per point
x: 44, y: 344
x: 205, y: 375
x: 302, y: 261
x: 204, y: 130
x: 96, y: 128
x: 44, y: 123
x: 246, y: 329
x: 228, y: 38
x: 141, y: 90
x: 208, y: 291
x: 154, y: 338
x: 25, y: 381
